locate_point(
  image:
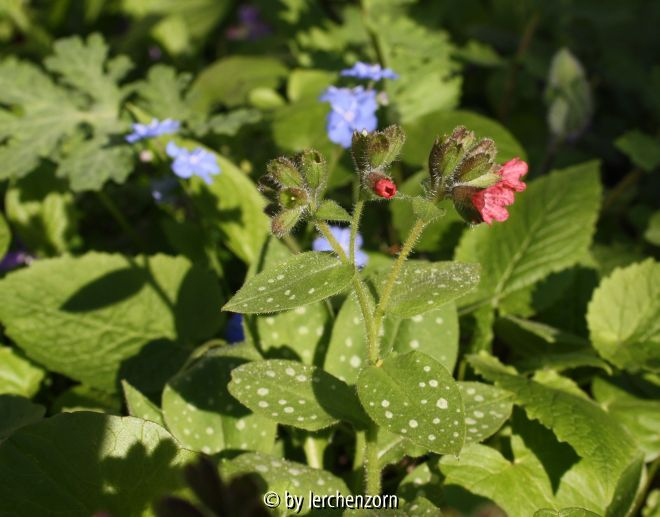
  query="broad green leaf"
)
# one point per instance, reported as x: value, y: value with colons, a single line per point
x: 422, y: 481
x: 434, y: 333
x: 302, y: 125
x: 233, y: 208
x: 18, y: 376
x: 424, y: 286
x: 486, y: 410
x: 308, y: 84
x: 41, y: 210
x: 550, y: 229
x: 86, y: 398
x: 574, y: 419
x: 303, y: 279
x: 641, y: 417
x: 230, y: 80
x: 414, y: 396
x: 161, y: 94
x: 140, y: 406
x: 280, y: 475
x: 295, y: 394
x: 624, y: 317
x: 570, y: 104
x: 99, y: 317
x: 519, y: 487
x: 5, y: 237
x: 80, y: 464
x: 422, y: 133
x: 229, y: 124
x: 16, y: 412
x: 201, y: 413
x: 642, y: 149
x: 438, y: 234
x: 294, y: 334
x: 565, y: 512
x: 330, y: 210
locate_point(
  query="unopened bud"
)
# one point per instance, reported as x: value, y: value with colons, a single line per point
x: 381, y: 185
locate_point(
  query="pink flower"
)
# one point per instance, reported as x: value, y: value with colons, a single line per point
x: 490, y: 202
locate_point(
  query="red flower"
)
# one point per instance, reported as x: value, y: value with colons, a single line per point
x: 490, y: 202
x: 385, y: 188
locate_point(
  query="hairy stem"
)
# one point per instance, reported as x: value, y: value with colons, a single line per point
x: 413, y: 236
x: 372, y: 470
x: 355, y: 223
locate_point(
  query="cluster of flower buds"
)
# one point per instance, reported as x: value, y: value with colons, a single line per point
x: 373, y: 153
x: 296, y: 187
x: 464, y: 169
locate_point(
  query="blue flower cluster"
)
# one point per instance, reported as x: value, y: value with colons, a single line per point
x: 343, y: 236
x: 353, y: 109
x: 375, y: 72
x: 198, y: 162
x: 153, y: 129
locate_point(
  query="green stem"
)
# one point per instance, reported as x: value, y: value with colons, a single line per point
x: 355, y: 223
x: 121, y: 220
x: 360, y: 291
x: 372, y: 470
x: 413, y: 236
x: 313, y: 448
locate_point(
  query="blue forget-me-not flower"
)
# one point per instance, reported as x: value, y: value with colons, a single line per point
x: 353, y: 109
x: 198, y: 162
x: 343, y: 236
x: 375, y: 72
x: 153, y: 129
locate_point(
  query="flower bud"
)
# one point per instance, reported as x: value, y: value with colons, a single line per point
x: 314, y: 168
x: 381, y: 185
x: 378, y: 149
x: 284, y: 173
x: 293, y: 198
x: 283, y: 223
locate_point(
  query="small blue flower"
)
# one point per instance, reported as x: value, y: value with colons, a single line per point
x: 375, y: 72
x: 353, y: 109
x: 198, y: 162
x: 15, y: 259
x: 153, y: 129
x: 234, y: 332
x: 343, y: 236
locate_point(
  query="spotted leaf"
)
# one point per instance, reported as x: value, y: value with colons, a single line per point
x: 201, y: 413
x: 295, y: 394
x: 279, y: 475
x: 423, y: 286
x: 303, y: 279
x: 486, y: 409
x: 140, y: 406
x: 414, y: 396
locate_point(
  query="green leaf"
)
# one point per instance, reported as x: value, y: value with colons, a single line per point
x: 421, y: 134
x: 642, y: 149
x: 422, y: 481
x: 201, y: 413
x: 570, y: 105
x: 424, y: 286
x: 295, y: 394
x: 229, y: 124
x: 41, y: 209
x: 5, y: 237
x: 18, y: 376
x: 162, y: 94
x: 80, y: 464
x: 233, y: 208
x: 426, y: 210
x: 550, y: 229
x: 85, y: 398
x: 304, y: 83
x: 229, y: 80
x: 302, y: 125
x: 574, y: 419
x: 486, y: 410
x: 414, y: 396
x: 641, y: 417
x: 330, y: 210
x: 303, y: 279
x: 624, y: 317
x: 392, y: 448
x: 652, y: 233
x: 16, y: 412
x: 140, y: 406
x: 434, y: 333
x: 280, y: 475
x: 519, y: 487
x: 99, y: 318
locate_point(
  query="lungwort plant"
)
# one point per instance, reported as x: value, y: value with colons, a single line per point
x: 387, y: 373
